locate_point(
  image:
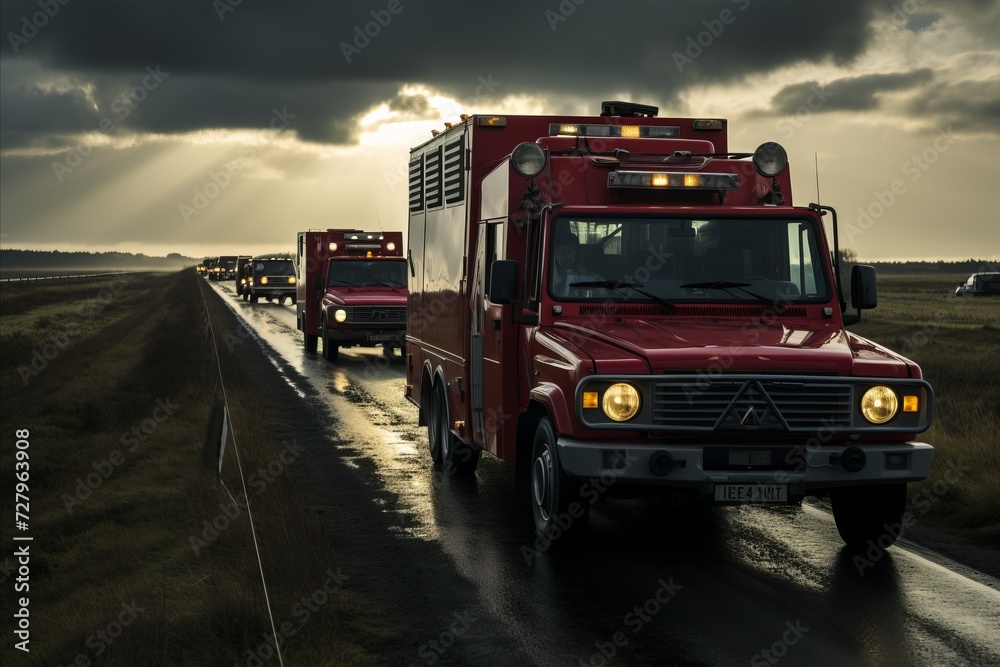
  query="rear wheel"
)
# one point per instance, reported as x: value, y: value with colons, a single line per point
x: 330, y: 350
x: 434, y: 422
x: 868, y: 515
x: 457, y: 457
x: 556, y: 504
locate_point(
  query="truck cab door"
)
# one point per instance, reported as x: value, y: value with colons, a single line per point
x: 492, y: 348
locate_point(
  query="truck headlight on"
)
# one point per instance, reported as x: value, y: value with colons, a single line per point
x: 879, y: 404
x: 340, y: 315
x: 291, y: 280
x: 263, y: 281
x: 621, y: 402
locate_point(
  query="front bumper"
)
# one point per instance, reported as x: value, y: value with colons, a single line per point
x: 811, y: 473
x: 367, y: 336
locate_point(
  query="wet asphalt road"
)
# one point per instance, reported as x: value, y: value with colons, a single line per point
x: 649, y: 584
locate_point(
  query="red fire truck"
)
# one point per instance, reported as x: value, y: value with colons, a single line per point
x: 352, y: 289
x: 621, y: 303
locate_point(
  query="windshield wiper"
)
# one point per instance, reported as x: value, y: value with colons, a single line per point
x: 726, y: 286
x: 618, y: 285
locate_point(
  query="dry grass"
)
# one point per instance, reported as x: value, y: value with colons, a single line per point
x: 130, y: 538
x: 956, y: 342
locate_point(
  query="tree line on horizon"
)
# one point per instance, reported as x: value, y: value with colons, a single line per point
x: 80, y: 259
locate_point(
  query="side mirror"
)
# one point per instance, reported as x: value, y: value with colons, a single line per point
x: 864, y: 294
x: 503, y: 281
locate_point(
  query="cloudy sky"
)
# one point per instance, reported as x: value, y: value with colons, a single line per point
x: 208, y: 127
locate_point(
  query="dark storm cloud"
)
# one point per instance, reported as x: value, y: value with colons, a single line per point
x: 858, y: 93
x: 228, y: 61
x: 966, y: 106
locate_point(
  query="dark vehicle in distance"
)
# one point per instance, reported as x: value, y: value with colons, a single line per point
x: 980, y: 284
x: 241, y: 273
x: 269, y: 278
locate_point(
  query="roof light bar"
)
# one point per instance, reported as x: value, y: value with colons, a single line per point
x: 602, y: 130
x: 672, y: 181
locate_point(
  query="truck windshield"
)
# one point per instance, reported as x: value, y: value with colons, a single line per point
x: 687, y: 260
x: 275, y: 267
x: 367, y: 273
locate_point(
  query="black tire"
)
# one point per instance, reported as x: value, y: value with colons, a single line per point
x: 434, y: 421
x: 309, y: 340
x: 867, y: 515
x: 457, y: 458
x: 293, y: 299
x: 559, y: 512
x: 330, y: 350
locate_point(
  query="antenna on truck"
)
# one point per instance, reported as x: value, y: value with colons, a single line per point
x: 816, y: 163
x: 380, y: 230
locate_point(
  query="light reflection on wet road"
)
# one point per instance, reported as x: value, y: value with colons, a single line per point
x: 758, y: 586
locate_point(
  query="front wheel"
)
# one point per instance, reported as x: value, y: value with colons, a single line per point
x: 556, y: 504
x: 867, y: 515
x: 330, y: 350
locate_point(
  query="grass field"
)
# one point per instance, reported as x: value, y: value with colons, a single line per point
x: 956, y: 341
x: 140, y: 555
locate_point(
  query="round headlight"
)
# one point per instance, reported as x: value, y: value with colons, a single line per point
x: 390, y: 246
x: 333, y: 247
x: 528, y: 159
x: 291, y: 280
x: 263, y: 281
x: 340, y: 315
x: 621, y: 402
x: 879, y: 404
x: 770, y: 159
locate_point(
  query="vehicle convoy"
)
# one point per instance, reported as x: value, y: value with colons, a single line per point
x: 269, y: 277
x: 352, y: 290
x: 620, y: 304
x: 224, y: 268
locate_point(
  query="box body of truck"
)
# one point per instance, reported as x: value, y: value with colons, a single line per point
x: 620, y: 297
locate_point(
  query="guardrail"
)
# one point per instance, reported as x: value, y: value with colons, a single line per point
x: 67, y: 278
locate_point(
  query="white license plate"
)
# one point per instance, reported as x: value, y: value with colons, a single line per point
x: 751, y: 493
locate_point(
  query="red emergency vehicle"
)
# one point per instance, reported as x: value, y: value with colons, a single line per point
x: 621, y: 302
x: 351, y: 290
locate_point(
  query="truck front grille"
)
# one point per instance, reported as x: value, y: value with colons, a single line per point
x: 376, y: 315
x: 719, y: 403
